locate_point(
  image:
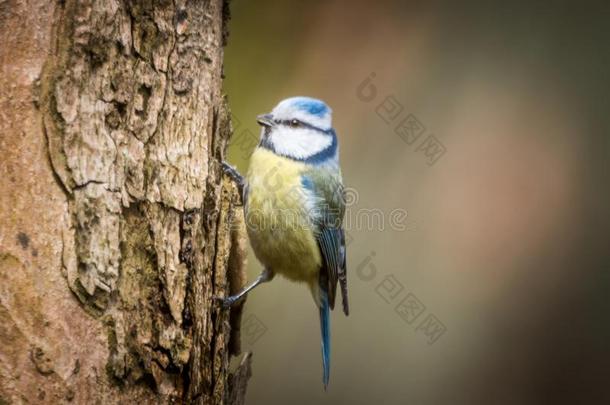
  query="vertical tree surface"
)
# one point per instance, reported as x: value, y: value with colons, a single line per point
x: 117, y: 226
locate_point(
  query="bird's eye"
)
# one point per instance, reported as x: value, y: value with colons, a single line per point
x: 294, y: 123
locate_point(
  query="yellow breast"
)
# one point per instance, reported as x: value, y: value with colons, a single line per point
x: 277, y: 217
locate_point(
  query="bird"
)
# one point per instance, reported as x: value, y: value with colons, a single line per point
x: 294, y: 204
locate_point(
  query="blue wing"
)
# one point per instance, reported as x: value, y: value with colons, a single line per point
x: 327, y: 189
x: 332, y: 246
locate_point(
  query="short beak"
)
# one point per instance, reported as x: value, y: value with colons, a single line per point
x: 265, y: 120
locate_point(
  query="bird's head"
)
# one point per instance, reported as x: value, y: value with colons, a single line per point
x: 299, y: 128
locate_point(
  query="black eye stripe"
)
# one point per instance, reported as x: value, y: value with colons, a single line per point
x: 301, y: 124
x: 290, y: 123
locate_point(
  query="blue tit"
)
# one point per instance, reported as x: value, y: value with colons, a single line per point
x: 294, y: 206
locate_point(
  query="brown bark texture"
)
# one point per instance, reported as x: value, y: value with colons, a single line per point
x: 117, y: 226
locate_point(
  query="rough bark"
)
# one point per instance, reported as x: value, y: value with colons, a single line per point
x: 117, y: 225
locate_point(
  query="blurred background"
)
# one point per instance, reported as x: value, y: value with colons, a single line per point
x: 488, y: 125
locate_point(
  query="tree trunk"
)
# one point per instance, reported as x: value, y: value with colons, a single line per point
x: 117, y: 225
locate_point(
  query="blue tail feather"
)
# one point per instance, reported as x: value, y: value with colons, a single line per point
x: 325, y: 329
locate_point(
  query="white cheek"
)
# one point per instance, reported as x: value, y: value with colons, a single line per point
x: 299, y: 143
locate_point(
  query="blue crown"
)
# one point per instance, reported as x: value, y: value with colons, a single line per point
x: 311, y: 106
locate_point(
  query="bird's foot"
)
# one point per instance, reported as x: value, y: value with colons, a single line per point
x: 232, y: 172
x: 227, y: 302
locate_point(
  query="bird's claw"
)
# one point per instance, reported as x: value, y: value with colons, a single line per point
x: 232, y: 172
x: 226, y: 302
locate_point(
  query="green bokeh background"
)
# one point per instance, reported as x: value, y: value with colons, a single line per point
x: 506, y: 238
